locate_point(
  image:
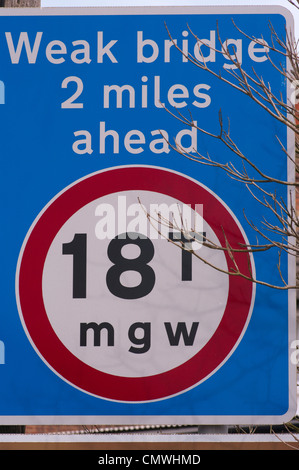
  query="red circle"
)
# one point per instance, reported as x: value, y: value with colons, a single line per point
x: 53, y: 351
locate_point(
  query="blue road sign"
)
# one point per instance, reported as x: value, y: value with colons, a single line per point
x: 103, y: 318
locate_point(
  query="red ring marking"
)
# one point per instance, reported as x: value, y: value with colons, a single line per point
x: 53, y: 351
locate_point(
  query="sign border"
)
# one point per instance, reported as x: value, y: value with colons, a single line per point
x: 241, y: 10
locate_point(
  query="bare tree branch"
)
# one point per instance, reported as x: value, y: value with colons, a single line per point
x: 279, y: 228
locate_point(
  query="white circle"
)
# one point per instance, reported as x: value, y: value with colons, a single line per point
x: 142, y: 329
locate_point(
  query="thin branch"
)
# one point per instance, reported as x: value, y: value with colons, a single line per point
x: 225, y: 138
x: 243, y: 81
x: 228, y: 249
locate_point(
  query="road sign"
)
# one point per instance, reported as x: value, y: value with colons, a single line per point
x: 110, y: 321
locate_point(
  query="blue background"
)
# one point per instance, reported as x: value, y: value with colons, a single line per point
x: 37, y: 162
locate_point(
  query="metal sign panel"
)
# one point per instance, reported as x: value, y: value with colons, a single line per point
x: 104, y: 319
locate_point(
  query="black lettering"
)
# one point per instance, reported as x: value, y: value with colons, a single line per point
x: 97, y: 328
x: 77, y: 248
x: 144, y: 341
x: 181, y: 331
x: 139, y: 264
